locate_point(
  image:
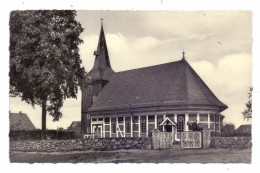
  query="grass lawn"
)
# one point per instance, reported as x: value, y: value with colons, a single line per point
x: 137, y: 156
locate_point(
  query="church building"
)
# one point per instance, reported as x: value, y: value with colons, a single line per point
x: 132, y: 103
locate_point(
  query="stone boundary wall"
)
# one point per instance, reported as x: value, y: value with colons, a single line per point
x: 231, y: 142
x: 102, y: 144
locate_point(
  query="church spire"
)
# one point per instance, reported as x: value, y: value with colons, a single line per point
x: 102, y: 68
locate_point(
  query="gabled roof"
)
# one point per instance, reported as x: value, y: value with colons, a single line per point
x: 75, y: 125
x: 245, y: 128
x: 20, y: 121
x: 167, y: 121
x: 102, y: 69
x: 172, y: 84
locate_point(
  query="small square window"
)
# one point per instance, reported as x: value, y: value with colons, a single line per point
x: 192, y: 117
x: 107, y: 120
x: 203, y: 117
x: 135, y: 119
x: 120, y: 120
x: 151, y: 118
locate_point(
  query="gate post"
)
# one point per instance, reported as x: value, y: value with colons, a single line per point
x: 206, y: 139
x: 155, y: 139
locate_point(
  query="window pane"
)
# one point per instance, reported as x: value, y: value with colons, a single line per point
x: 107, y: 127
x: 135, y: 119
x: 217, y: 127
x: 127, y: 125
x: 151, y: 118
x: 135, y: 127
x: 94, y: 119
x: 150, y: 127
x: 107, y: 120
x: 113, y: 125
x: 212, y: 118
x: 120, y: 120
x: 159, y: 121
x: 180, y: 123
x: 203, y: 117
x: 217, y: 118
x: 211, y: 126
x: 100, y: 119
x: 143, y: 124
x: 192, y: 117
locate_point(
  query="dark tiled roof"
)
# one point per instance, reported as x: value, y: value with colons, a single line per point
x: 175, y: 84
x: 75, y: 125
x: 245, y: 128
x: 20, y: 121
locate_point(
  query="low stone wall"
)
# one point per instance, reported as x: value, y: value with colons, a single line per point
x: 231, y: 142
x: 117, y: 143
x: 81, y: 144
x: 46, y: 145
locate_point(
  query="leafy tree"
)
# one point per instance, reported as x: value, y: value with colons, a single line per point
x: 44, y: 59
x: 247, y: 114
x: 228, y: 129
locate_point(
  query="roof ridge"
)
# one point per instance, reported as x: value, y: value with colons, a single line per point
x: 147, y: 67
x: 172, y: 84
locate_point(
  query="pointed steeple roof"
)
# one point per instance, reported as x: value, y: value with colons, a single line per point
x: 102, y: 69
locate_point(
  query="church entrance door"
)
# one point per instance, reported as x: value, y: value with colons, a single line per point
x: 97, y: 131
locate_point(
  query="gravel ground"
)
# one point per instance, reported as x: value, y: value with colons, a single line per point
x: 136, y: 156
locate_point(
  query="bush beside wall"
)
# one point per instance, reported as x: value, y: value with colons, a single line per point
x: 231, y: 142
x: 36, y: 135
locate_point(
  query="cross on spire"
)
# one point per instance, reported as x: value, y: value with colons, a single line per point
x: 183, y: 55
x: 101, y: 21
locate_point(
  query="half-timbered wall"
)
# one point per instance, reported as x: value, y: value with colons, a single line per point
x: 142, y: 125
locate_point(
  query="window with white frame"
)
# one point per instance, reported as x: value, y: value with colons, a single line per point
x: 127, y: 125
x: 151, y: 119
x: 120, y: 120
x: 107, y: 121
x: 212, y: 121
x: 193, y: 117
x: 180, y: 122
x: 135, y: 123
x: 113, y: 125
x: 143, y: 124
x: 203, y: 117
x: 159, y: 121
x: 217, y: 122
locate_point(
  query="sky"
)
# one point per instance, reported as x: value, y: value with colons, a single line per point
x: 217, y: 44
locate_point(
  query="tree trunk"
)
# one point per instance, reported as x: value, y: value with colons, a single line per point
x: 44, y: 119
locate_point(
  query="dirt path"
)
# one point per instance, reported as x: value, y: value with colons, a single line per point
x: 137, y: 156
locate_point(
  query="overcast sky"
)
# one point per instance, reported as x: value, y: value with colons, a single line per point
x: 217, y: 45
